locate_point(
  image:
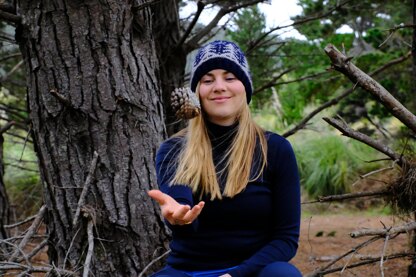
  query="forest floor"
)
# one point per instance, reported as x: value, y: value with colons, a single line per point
x: 325, y: 230
x: 326, y: 236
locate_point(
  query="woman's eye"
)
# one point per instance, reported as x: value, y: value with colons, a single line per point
x: 207, y: 81
x: 230, y: 78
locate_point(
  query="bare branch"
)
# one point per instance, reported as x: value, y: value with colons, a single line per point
x: 30, y: 232
x: 48, y: 269
x: 11, y: 226
x: 384, y: 232
x: 84, y: 192
x: 90, y: 247
x: 318, y: 271
x: 347, y: 131
x: 201, y: 7
x: 10, y: 17
x: 340, y: 197
x: 193, y: 42
x: 8, y: 74
x: 369, y: 261
x: 6, y: 127
x: 152, y: 262
x: 344, y: 94
x: 298, y: 22
x: 344, y: 65
x: 35, y: 250
x: 272, y: 82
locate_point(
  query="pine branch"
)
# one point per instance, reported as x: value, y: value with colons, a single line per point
x: 344, y: 65
x: 384, y: 232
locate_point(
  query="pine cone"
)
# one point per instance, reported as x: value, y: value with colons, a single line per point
x: 184, y: 103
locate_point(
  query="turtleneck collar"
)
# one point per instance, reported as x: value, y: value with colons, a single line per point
x: 219, y: 132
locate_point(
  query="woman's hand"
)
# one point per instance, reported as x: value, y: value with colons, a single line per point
x: 172, y: 211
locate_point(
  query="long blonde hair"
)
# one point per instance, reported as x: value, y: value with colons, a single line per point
x: 196, y: 166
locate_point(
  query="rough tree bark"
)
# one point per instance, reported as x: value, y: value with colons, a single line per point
x: 4, y: 200
x: 93, y: 86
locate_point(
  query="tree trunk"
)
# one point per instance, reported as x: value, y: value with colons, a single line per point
x: 93, y: 87
x: 4, y: 200
x: 172, y: 56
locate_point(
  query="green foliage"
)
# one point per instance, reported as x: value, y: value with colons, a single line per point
x: 329, y: 164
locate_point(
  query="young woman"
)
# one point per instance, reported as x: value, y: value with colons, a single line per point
x: 229, y: 191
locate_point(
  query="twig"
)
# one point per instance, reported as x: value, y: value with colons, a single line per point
x: 271, y: 83
x: 30, y: 232
x: 8, y: 74
x: 384, y: 232
x: 9, y: 17
x: 11, y: 226
x: 87, y: 183
x: 344, y: 94
x: 382, y: 255
x: 369, y: 261
x: 153, y: 261
x: 342, y: 64
x: 339, y: 197
x: 35, y: 250
x: 347, y: 131
x: 319, y: 271
x: 47, y: 269
x: 200, y: 8
x: 90, y: 247
x: 60, y: 98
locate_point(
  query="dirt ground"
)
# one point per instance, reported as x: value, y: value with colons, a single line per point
x: 324, y: 237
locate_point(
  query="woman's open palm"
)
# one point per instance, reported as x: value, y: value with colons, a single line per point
x: 172, y: 211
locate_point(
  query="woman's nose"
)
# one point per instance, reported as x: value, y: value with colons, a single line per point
x: 219, y: 85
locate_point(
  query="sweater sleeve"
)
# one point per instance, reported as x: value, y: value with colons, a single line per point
x: 286, y: 205
x: 166, y: 161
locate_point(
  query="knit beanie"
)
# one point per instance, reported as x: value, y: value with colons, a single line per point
x: 225, y: 55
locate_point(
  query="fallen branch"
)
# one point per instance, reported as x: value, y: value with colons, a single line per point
x: 48, y: 269
x: 11, y: 226
x: 319, y: 271
x: 35, y: 250
x: 344, y: 65
x: 90, y: 247
x: 345, y: 196
x: 347, y: 131
x: 384, y: 232
x: 357, y: 264
x: 30, y: 232
x: 87, y: 183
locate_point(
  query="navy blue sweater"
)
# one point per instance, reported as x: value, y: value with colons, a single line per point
x: 254, y: 228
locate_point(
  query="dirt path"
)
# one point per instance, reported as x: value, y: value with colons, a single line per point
x: 324, y: 237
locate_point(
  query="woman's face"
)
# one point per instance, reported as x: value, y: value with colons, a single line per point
x: 222, y: 96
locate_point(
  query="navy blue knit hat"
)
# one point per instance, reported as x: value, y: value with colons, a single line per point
x: 225, y: 55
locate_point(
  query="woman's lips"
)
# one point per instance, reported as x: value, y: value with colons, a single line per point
x: 220, y: 99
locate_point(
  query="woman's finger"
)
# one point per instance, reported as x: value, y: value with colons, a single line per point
x: 157, y: 195
x: 194, y: 212
x: 180, y: 212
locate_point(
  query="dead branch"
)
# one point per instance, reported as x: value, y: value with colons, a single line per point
x: 13, y: 70
x: 152, y: 262
x: 35, y: 250
x: 47, y: 269
x: 344, y: 65
x: 347, y: 131
x: 272, y: 82
x: 6, y: 127
x: 11, y: 226
x: 319, y: 271
x: 30, y: 232
x: 384, y: 232
x: 357, y: 264
x: 60, y: 98
x: 87, y: 183
x: 10, y: 17
x: 298, y: 22
x: 344, y: 94
x: 193, y: 41
x: 90, y: 247
x: 200, y: 8
x: 340, y: 197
